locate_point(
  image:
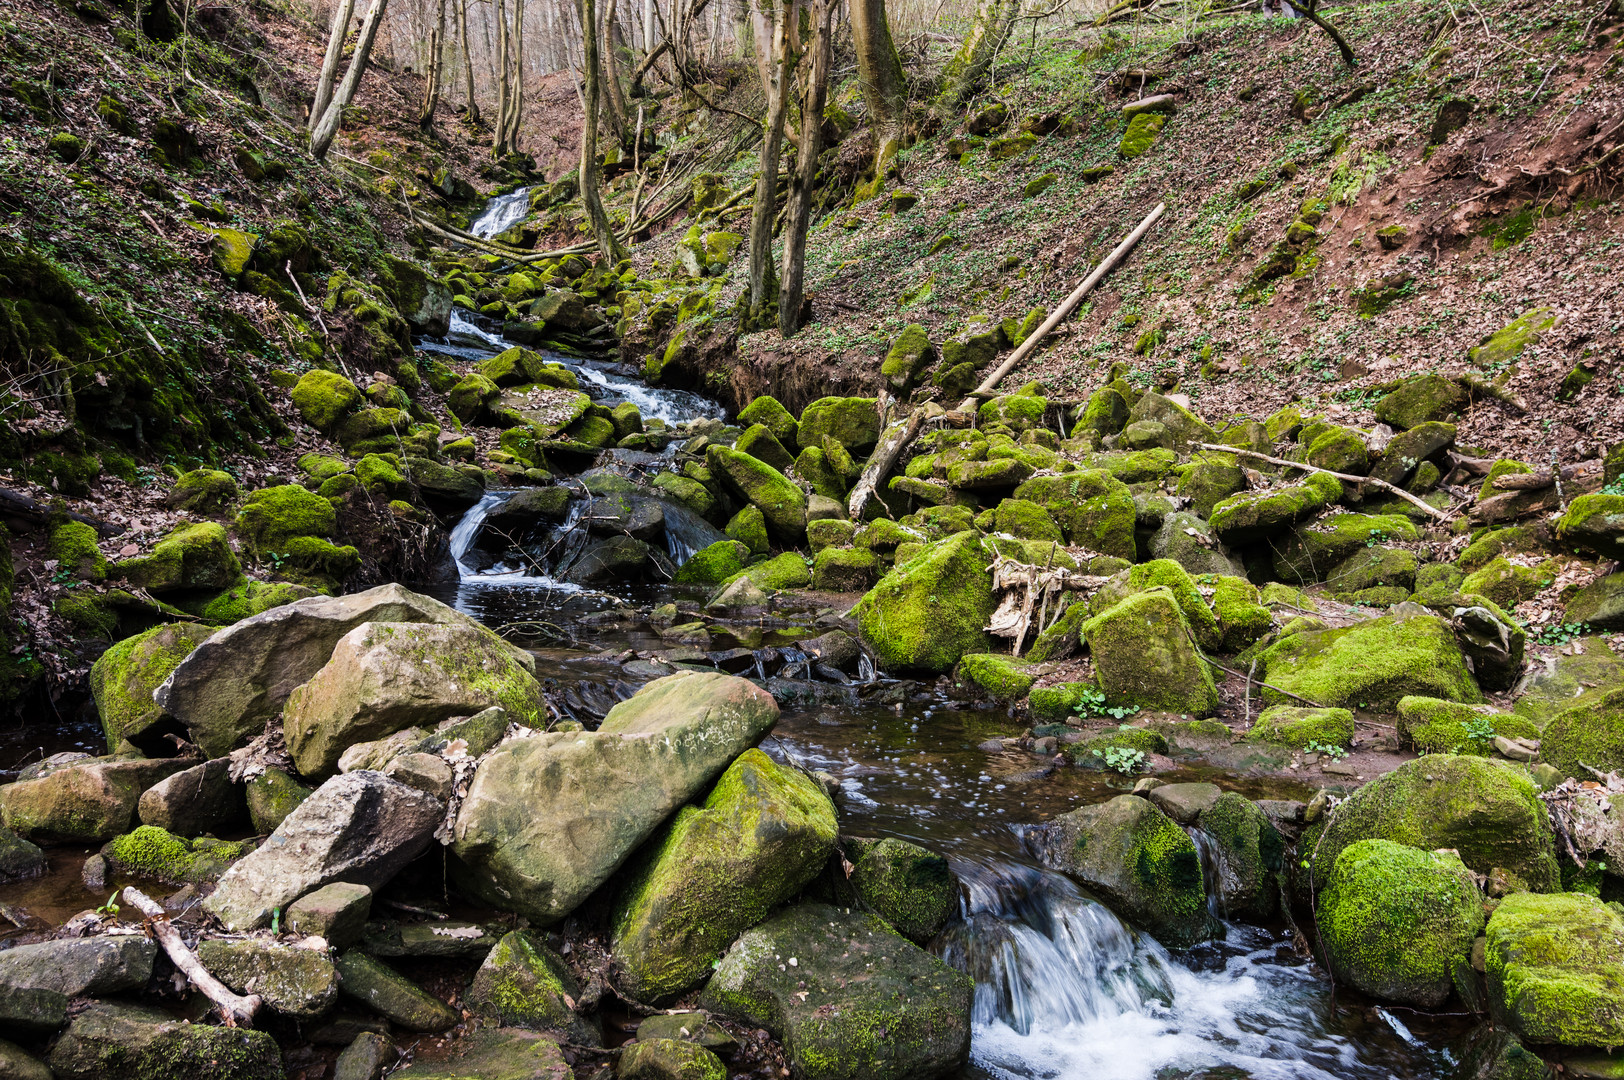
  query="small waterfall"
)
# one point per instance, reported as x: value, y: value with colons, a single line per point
x: 501, y: 214
x: 686, y: 532
x: 1212, y: 870
x: 466, y: 530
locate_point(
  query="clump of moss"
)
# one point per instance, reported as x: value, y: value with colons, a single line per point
x: 153, y: 853
x: 930, y: 610
x: 324, y: 398
x: 1289, y: 725
x: 272, y: 516
x: 1370, y: 664
x: 1448, y: 727
x: 1587, y: 737
x: 995, y: 676
x: 1554, y: 967
x: 908, y: 886
x: 204, y: 491
x: 74, y: 545
x: 1141, y: 134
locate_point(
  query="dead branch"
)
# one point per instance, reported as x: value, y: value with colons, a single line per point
x: 234, y: 1010
x: 1432, y: 511
x: 16, y: 504
x: 893, y: 441
x: 1535, y: 481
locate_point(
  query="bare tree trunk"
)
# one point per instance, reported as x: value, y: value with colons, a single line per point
x: 467, y: 60
x: 326, y: 129
x: 879, y: 70
x: 609, y: 76
x: 1310, y: 11
x: 510, y: 78
x: 608, y: 245
x: 814, y: 90
x: 500, y: 66
x: 994, y: 21
x: 431, y: 89
x: 329, y: 63
x: 775, y: 59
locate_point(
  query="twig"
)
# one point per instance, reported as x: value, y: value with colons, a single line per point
x: 1432, y: 511
x: 316, y: 312
x: 234, y: 1010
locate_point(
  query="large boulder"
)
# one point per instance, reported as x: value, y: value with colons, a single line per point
x: 764, y: 487
x: 1256, y: 515
x: 1556, y: 968
x: 384, y: 677
x: 1137, y: 860
x: 1370, y: 664
x: 910, y: 887
x: 1093, y: 508
x: 82, y: 802
x: 361, y: 827
x: 859, y: 1001
x: 110, y: 1041
x: 852, y: 422
x: 193, y: 558
x: 1397, y: 922
x: 523, y: 983
x: 76, y: 967
x: 195, y: 801
x: 1145, y: 656
x: 227, y: 688
x: 549, y: 818
x: 1488, y: 811
x: 1588, y: 737
x: 931, y: 609
x: 764, y: 831
x: 123, y: 678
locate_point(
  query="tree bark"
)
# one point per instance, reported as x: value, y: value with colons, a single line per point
x: 775, y: 60
x: 1310, y: 11
x: 994, y: 21
x: 431, y: 88
x: 329, y: 63
x: 614, y: 99
x: 798, y: 219
x: 326, y: 129
x: 879, y: 71
x: 467, y: 61
x: 609, y: 246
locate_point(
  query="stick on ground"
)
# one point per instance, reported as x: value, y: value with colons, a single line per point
x: 234, y: 1010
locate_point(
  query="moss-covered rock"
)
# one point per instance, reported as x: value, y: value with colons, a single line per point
x: 325, y: 398
x: 1242, y: 617
x: 523, y: 983
x: 272, y: 796
x: 1421, y: 398
x: 1488, y: 811
x: 910, y: 354
x: 1135, y: 858
x: 781, y: 503
x: 73, y: 545
x: 749, y: 527
x: 270, y: 517
x: 193, y: 557
x: 930, y: 610
x: 1374, y: 567
x: 1256, y: 515
x: 838, y: 569
x: 768, y: 411
x: 651, y: 1058
x: 1595, y: 522
x: 760, y: 443
x: 1145, y: 656
x: 1397, y: 923
x: 764, y: 831
x: 1248, y: 855
x: 1555, y: 968
x: 123, y: 678
x: 1294, y: 726
x: 1433, y: 726
x: 997, y: 676
x: 1141, y: 134
x: 853, y: 422
x: 110, y: 1039
x: 1599, y: 605
x: 1093, y: 509
x: 1407, y: 453
x: 1587, y: 737
x: 157, y: 855
x: 1091, y: 753
x: 1315, y: 548
x: 1506, y: 344
x: 204, y: 491
x: 1370, y: 664
x: 300, y: 983
x: 1169, y: 575
x: 911, y: 887
x: 714, y: 564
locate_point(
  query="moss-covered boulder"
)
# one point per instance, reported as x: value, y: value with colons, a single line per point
x: 1093, y: 509
x: 1247, y: 853
x: 1587, y: 737
x: 908, y: 886
x: 523, y: 983
x: 111, y: 1039
x: 1256, y: 515
x: 74, y: 547
x: 123, y: 678
x: 1508, y: 342
x: 1599, y: 605
x: 272, y: 516
x: 764, y: 831
x: 861, y: 1001
x: 1433, y: 726
x: 931, y: 610
x: 1398, y: 923
x: 910, y: 354
x: 1141, y: 134
x: 1421, y: 398
x: 769, y: 412
x: 713, y: 564
x: 1182, y: 426
x: 853, y: 422
x: 1294, y: 726
x: 1137, y: 859
x: 1370, y: 664
x: 781, y: 503
x: 204, y: 491
x: 491, y: 1054
x: 1556, y: 968
x: 749, y: 527
x: 1169, y: 575
x: 193, y: 557
x: 655, y: 1058
x: 994, y: 676
x: 1405, y: 453
x: 1316, y: 548
x: 158, y: 855
x: 1594, y: 522
x: 325, y: 398
x: 1146, y: 657
x: 1238, y: 606
x: 836, y: 569
x: 760, y: 443
x: 1488, y: 811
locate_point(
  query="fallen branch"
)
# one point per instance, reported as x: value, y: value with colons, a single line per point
x: 234, y: 1010
x: 1514, y: 504
x: 1534, y: 481
x: 1066, y: 307
x: 893, y: 441
x: 1432, y: 511
x: 1249, y: 677
x: 16, y: 504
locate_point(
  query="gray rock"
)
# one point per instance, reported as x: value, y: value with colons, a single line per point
x: 32, y: 1011
x: 295, y: 982
x: 80, y: 966
x: 448, y: 938
x: 336, y: 912
x: 229, y: 686
x: 19, y: 860
x: 426, y: 772
x: 271, y: 797
x: 1184, y: 802
x: 82, y: 802
x: 495, y: 1054
x: 669, y: 1059
x: 523, y: 983
x: 361, y: 827
x: 111, y: 1041
x: 195, y: 801
x: 550, y: 817
x: 366, y: 1058
x: 17, y: 1064
x: 392, y: 995
x: 1189, y: 541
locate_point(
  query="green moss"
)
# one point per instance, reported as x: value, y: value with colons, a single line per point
x: 767, y: 411
x: 1093, y: 509
x: 1238, y: 607
x: 1396, y: 922
x: 1255, y: 515
x: 74, y: 545
x: 1145, y: 656
x: 1492, y: 543
x: 1062, y: 638
x: 152, y: 853
x: 782, y: 504
x: 1209, y: 479
x: 1125, y: 737
x: 123, y: 678
x: 995, y: 675
x: 316, y: 562
x: 930, y: 610
x: 191, y: 557
x: 786, y: 571
x: 1509, y: 585
x: 1508, y: 343
x: 1587, y: 737
x: 1371, y: 664
x: 91, y: 616
x: 749, y: 527
x: 1169, y: 575
x: 1555, y: 968
x: 272, y: 516
x: 910, y: 354
x: 204, y: 491
x: 380, y: 475
x: 272, y: 796
x: 523, y: 983
x: 908, y: 886
x: 1141, y: 134
x: 1315, y: 549
x: 714, y: 564
x: 1420, y: 399
x: 1595, y: 522
x: 1433, y: 726
x: 837, y: 569
x: 324, y: 398
x: 250, y: 598
x: 1289, y: 725
x: 1018, y: 412
x: 1057, y: 702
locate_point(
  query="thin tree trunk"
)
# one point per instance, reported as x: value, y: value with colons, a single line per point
x: 994, y: 21
x: 772, y: 40
x: 431, y: 90
x: 806, y: 168
x: 1310, y: 11
x: 329, y: 63
x: 879, y: 71
x: 326, y: 129
x: 467, y: 60
x: 609, y: 76
x: 499, y: 64
x: 609, y: 246
x: 516, y: 102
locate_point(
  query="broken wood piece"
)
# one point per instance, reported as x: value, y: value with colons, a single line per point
x: 893, y: 441
x: 1544, y: 478
x: 233, y: 1009
x: 1513, y: 505
x: 16, y: 504
x: 1432, y: 511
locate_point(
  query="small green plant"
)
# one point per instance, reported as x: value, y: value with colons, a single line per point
x: 1121, y: 759
x: 1091, y: 702
x: 1617, y: 486
x: 1479, y: 730
x: 1560, y: 633
x: 1317, y: 747
x: 110, y: 909
x: 1375, y: 538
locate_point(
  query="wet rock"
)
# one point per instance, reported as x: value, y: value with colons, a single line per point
x: 1183, y: 803
x: 19, y: 860
x: 361, y: 827
x: 529, y: 508
x: 741, y: 595
x: 295, y: 982
x: 781, y: 503
x: 1554, y: 968
x: 80, y: 966
x: 1497, y: 1054
x: 851, y: 979
x: 82, y: 802
x: 927, y: 613
x: 763, y: 832
x: 384, y: 677
x: 1488, y: 811
x: 1137, y: 859
x: 366, y: 1058
x: 1370, y: 664
x: 392, y: 995
x: 908, y: 886
x: 523, y: 983
x: 550, y: 817
x: 110, y: 1040
x: 494, y: 1054
x: 123, y: 678
x: 619, y: 558
x: 226, y: 690
x: 1145, y: 656
x: 670, y: 1059
x: 194, y: 801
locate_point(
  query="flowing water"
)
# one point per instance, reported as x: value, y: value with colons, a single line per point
x: 501, y: 214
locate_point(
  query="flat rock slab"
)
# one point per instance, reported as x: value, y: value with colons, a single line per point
x: 79, y: 966
x: 494, y: 1054
x: 295, y: 982
x: 109, y: 1041
x: 391, y: 995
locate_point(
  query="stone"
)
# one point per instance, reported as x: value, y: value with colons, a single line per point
x: 79, y: 967
x: 1257, y: 515
x: 494, y: 1054
x: 859, y: 1001
x: 392, y: 995
x: 1189, y: 540
x: 337, y: 913
x: 1406, y: 451
x: 1297, y: 727
x: 366, y: 1058
x: 440, y: 938
x: 1421, y: 398
x: 1555, y: 967
x: 193, y: 558
x: 324, y: 398
x: 761, y: 444
x: 781, y: 503
x: 669, y: 1059
x: 853, y: 422
x: 1599, y: 605
x: 19, y: 859
x: 123, y: 678
x: 1093, y: 509
x: 109, y: 1040
x: 767, y: 411
x: 1588, y: 737
x: 912, y: 888
x: 1144, y: 656
x: 195, y: 801
x: 1488, y: 811
x: 301, y: 983
x: 152, y: 853
x: 1594, y: 522
x: 1184, y: 803
x: 759, y: 837
x: 1396, y: 922
x: 82, y: 802
x: 932, y: 608
x: 619, y: 558
x: 523, y: 983
x: 1137, y: 860
x: 271, y: 797
x: 1370, y: 664
x: 1433, y: 726
x: 1247, y: 853
x: 1315, y: 548
x: 17, y: 1064
x: 549, y: 818
x: 227, y: 689
x: 361, y: 827
x: 910, y: 354
x: 384, y: 677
